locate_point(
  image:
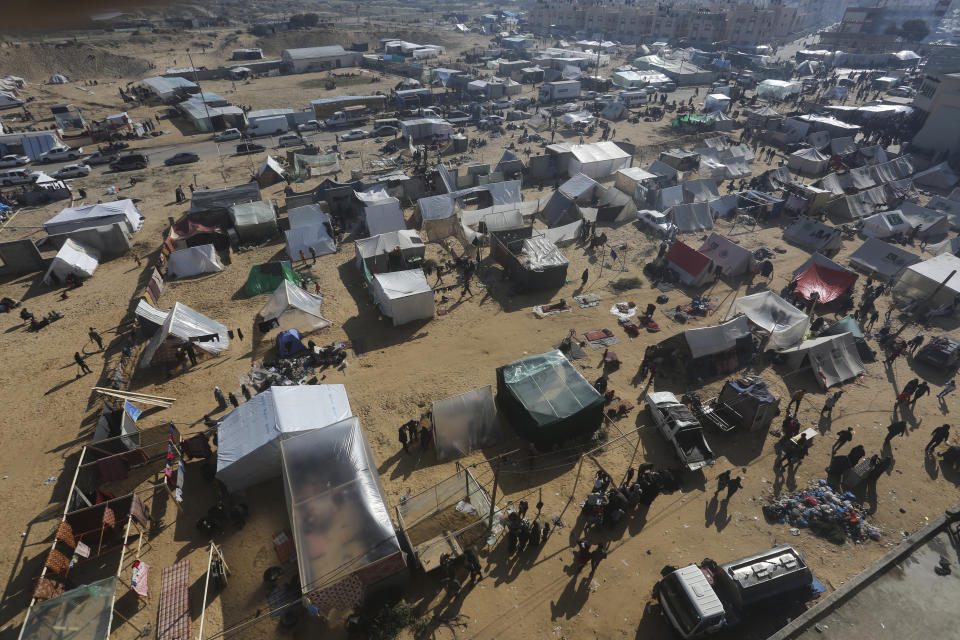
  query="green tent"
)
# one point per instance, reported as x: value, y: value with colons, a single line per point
x: 265, y: 278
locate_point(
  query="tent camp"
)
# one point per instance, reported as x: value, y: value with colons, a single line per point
x: 403, y: 296
x: 627, y: 181
x: 822, y: 275
x: 881, y: 260
x: 73, y: 259
x: 309, y: 232
x: 692, y: 267
x: 615, y: 207
x: 831, y: 359
x: 808, y: 162
x: 254, y: 221
x: 547, y: 400
x: 842, y: 146
x: 532, y: 262
x: 929, y: 224
x: 813, y: 235
x: 693, y: 217
x: 716, y: 102
x: 383, y: 215
x: 784, y: 322
x: 939, y: 176
x: 777, y: 89
x: 95, y: 215
x: 192, y: 261
x: 345, y: 541
x: 180, y: 326
x: 950, y: 245
x: 718, y: 349
x: 266, y: 277
x: 597, y: 160
x: 290, y: 307
x: 374, y: 252
x: 270, y: 172
x: 248, y: 450
x: 700, y: 190
x: 581, y: 189
x: 726, y: 254
x: 465, y: 423
x: 885, y: 225
x: 934, y: 282
x: 559, y: 210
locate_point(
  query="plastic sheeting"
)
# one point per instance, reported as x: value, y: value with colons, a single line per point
x: 254, y: 220
x: 184, y: 323
x: 598, y: 160
x: 716, y: 102
x: 465, y: 423
x: 539, y: 254
x: 716, y: 339
x: 692, y: 217
x: 375, y: 249
x: 549, y: 387
x: 828, y: 283
x: 73, y: 258
x: 294, y: 308
x: 877, y: 257
x: 808, y: 161
x: 306, y: 216
x: 247, y: 447
x: 384, y: 216
x: 833, y: 359
x: 95, y: 215
x: 566, y: 233
x: 784, y: 322
x: 885, y: 224
x: 338, y: 513
x: 843, y: 146
x: 939, y: 176
x: 701, y: 190
x: 731, y: 257
x: 404, y: 296
x: 580, y: 187
x: 82, y: 613
x: 192, y: 261
x: 309, y: 240
x: 923, y: 280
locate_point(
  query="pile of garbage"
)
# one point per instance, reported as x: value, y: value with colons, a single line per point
x: 835, y: 516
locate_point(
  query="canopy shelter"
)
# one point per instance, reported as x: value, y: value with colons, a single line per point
x: 181, y: 326
x: 808, y: 162
x: 210, y: 206
x: 784, y: 322
x: 827, y: 278
x: 813, y: 235
x: 778, y: 89
x: 880, y: 259
x: 82, y: 613
x: 692, y: 267
x: 511, y: 166
x: 627, y: 181
x: 254, y: 221
x: 193, y: 261
x: 719, y: 349
x: 532, y: 262
x: 693, y: 217
x: 266, y: 277
x: 716, y: 102
x: 700, y: 190
x: 341, y: 526
x: 615, y: 207
x: 465, y: 423
x: 934, y: 282
x: 597, y: 160
x: 847, y: 324
x: 248, y: 449
x: 95, y: 215
x: 403, y: 296
x: 831, y: 359
x: 270, y: 172
x: 726, y: 254
x: 375, y: 251
x: 547, y: 400
x: 72, y: 260
x: 290, y: 307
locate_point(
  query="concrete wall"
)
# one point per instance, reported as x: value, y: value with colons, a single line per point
x: 19, y: 257
x: 110, y: 240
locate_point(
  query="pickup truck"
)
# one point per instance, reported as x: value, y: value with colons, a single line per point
x: 679, y: 426
x: 349, y: 117
x: 701, y: 600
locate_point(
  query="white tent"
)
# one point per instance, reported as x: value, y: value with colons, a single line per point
x: 582, y: 189
x: 842, y: 146
x: 784, y: 322
x: 808, y: 161
x: 692, y: 217
x: 374, y: 251
x: 700, y: 190
x: 248, y: 447
x: 95, y: 215
x: 885, y: 225
x: 294, y: 308
x: 935, y: 281
x: 73, y: 258
x: 303, y: 239
x: 716, y: 102
x: 731, y: 257
x: 383, y: 216
x: 939, y: 176
x: 270, y: 172
x: 192, y: 261
x: 597, y: 160
x: 813, y: 235
x: 832, y: 359
x: 181, y: 325
x: 777, y: 89
x: 880, y: 259
x: 465, y: 423
x: 58, y: 78
x: 950, y: 245
x: 307, y: 216
x: 628, y: 180
x: 404, y: 296
x: 707, y: 341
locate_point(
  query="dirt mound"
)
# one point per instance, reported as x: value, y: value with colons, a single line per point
x: 273, y: 44
x: 76, y: 60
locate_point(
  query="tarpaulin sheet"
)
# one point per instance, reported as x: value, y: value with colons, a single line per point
x: 786, y: 324
x: 828, y: 283
x: 716, y: 339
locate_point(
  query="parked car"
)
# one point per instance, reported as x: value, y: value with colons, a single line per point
x: 184, y: 157
x: 290, y: 140
x: 501, y: 104
x: 71, y: 171
x: 588, y: 95
x: 657, y: 222
x: 100, y: 157
x: 355, y: 134
x: 456, y: 116
x: 17, y: 176
x: 59, y: 154
x: 522, y: 103
x: 229, y: 134
x: 384, y: 131
x: 130, y: 161
x: 903, y: 92
x: 496, y: 119
x: 680, y: 428
x: 246, y: 148
x: 310, y: 125
x: 942, y: 352
x: 13, y: 161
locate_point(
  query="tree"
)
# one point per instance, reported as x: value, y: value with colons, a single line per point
x: 311, y: 19
x: 914, y: 30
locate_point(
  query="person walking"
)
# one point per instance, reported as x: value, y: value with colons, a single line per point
x: 940, y: 434
x: 898, y: 428
x: 922, y: 389
x: 466, y: 286
x: 856, y: 454
x: 908, y: 390
x: 733, y: 486
x: 915, y: 343
x: 233, y: 400
x: 84, y: 369
x: 218, y: 396
x: 723, y: 480
x: 796, y: 397
x: 843, y: 437
x: 95, y: 337
x: 402, y: 437
x: 948, y: 388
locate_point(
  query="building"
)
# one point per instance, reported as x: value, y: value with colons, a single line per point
x: 212, y: 113
x: 939, y: 97
x: 318, y: 59
x: 169, y: 90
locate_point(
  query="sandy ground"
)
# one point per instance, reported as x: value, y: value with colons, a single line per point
x: 400, y: 371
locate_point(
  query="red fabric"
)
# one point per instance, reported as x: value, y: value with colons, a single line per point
x: 687, y: 258
x: 185, y: 228
x: 829, y: 283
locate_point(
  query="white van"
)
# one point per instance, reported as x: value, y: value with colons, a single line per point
x: 634, y: 98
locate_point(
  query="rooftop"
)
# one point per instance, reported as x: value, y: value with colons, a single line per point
x: 308, y: 53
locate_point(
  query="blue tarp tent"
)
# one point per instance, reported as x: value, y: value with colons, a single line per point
x: 289, y: 343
